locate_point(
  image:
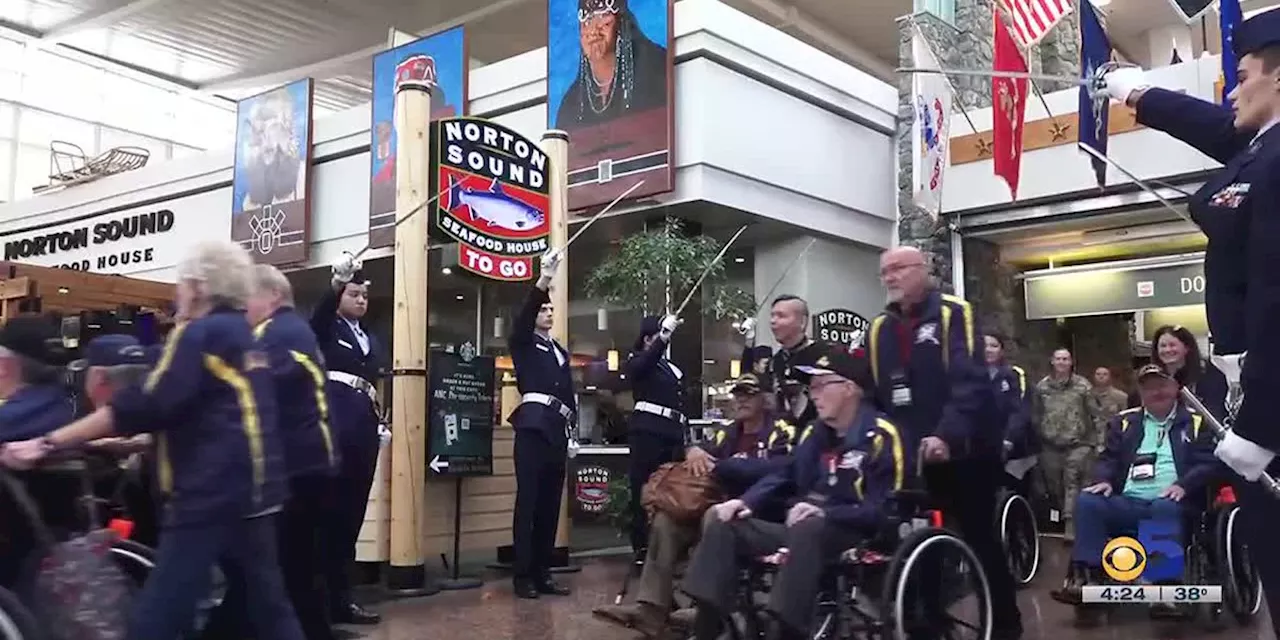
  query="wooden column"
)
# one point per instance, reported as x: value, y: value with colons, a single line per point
x: 555, y: 144
x: 407, y: 570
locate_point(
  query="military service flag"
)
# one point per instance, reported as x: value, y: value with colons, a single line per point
x: 931, y: 97
x: 1009, y: 97
x: 1095, y: 108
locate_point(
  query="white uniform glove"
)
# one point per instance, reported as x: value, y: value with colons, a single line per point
x: 1120, y: 82
x: 384, y: 434
x: 550, y: 262
x: 748, y: 330
x: 669, y: 324
x: 345, y: 268
x: 573, y: 448
x: 1244, y: 457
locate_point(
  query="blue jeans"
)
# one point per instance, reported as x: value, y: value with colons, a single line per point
x: 1099, y: 518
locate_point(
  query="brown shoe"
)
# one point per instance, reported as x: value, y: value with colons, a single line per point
x: 650, y: 621
x: 683, y: 618
x: 624, y: 615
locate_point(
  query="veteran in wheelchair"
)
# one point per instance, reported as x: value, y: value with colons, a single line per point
x: 757, y: 443
x: 1156, y: 467
x: 843, y: 470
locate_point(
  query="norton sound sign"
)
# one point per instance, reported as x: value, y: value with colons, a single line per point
x: 495, y: 197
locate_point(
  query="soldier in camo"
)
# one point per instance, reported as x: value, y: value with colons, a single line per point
x: 1068, y: 419
x: 1109, y: 399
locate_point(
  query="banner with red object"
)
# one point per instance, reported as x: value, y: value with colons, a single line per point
x: 1009, y: 101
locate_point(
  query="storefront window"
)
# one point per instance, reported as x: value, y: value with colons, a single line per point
x: 6, y: 169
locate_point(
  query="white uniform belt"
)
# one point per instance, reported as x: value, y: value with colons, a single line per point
x: 661, y: 411
x: 549, y: 401
x: 355, y: 382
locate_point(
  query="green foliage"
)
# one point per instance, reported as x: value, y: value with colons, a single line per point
x: 659, y: 264
x: 618, y: 510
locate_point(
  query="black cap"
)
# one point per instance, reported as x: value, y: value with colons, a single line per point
x: 850, y: 364
x: 112, y: 350
x: 1256, y: 33
x: 29, y: 336
x: 748, y: 384
x: 1153, y: 370
x: 649, y: 326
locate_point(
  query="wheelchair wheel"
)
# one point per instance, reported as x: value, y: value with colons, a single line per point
x: 138, y: 560
x: 16, y: 621
x: 1021, y: 537
x: 932, y: 574
x: 1243, y: 585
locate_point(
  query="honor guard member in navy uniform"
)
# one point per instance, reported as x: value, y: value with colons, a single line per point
x: 543, y: 421
x: 847, y: 464
x: 310, y: 453
x: 788, y: 320
x: 931, y: 379
x: 1015, y: 397
x: 1238, y: 208
x: 354, y: 360
x: 210, y: 403
x: 656, y: 431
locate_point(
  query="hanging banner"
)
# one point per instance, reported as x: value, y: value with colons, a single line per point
x: 495, y: 197
x: 931, y: 99
x: 271, y: 178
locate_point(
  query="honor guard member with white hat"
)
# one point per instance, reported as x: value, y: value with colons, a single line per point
x: 310, y: 453
x: 354, y: 360
x: 788, y: 320
x: 1238, y: 208
x: 656, y: 431
x: 543, y: 422
x: 210, y: 403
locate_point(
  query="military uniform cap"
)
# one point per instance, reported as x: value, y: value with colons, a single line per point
x: 1256, y: 33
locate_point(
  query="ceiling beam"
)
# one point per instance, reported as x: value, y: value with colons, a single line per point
x: 251, y: 79
x: 98, y: 18
x: 792, y: 16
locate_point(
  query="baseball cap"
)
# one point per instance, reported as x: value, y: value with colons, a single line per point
x: 852, y: 365
x: 112, y: 350
x: 1153, y: 370
x: 28, y: 336
x: 748, y: 384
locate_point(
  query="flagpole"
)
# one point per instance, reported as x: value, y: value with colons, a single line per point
x: 988, y: 73
x: 938, y: 61
x: 995, y: 9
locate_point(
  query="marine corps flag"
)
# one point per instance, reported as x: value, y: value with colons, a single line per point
x: 931, y: 98
x: 1009, y: 97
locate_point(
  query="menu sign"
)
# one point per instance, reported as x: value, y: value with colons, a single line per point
x: 460, y: 412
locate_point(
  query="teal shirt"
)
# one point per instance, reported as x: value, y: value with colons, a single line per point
x: 1155, y: 439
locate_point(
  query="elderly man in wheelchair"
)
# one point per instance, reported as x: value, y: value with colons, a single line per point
x: 757, y: 443
x: 844, y: 468
x: 1156, y: 466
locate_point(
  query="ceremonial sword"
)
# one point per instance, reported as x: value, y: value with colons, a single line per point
x: 707, y: 271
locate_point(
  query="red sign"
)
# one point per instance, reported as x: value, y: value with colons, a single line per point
x: 494, y: 267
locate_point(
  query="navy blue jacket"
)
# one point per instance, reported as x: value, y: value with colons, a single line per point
x: 299, y: 379
x: 1211, y: 389
x: 538, y: 370
x: 210, y: 402
x: 870, y: 465
x: 34, y: 411
x: 736, y: 474
x: 1015, y: 397
x: 937, y: 352
x: 339, y: 345
x: 777, y: 369
x: 653, y: 380
x: 1236, y: 209
x: 1191, y: 441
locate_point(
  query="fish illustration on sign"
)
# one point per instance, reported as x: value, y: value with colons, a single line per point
x: 495, y: 206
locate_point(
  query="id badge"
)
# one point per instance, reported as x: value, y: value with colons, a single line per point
x: 901, y: 394
x: 1144, y: 468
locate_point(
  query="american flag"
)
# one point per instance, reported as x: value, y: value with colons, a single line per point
x: 1032, y: 19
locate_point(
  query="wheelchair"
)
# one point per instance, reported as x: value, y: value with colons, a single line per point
x: 1217, y: 554
x: 899, y: 586
x: 1020, y: 535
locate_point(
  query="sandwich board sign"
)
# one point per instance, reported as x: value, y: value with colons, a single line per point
x: 494, y: 188
x: 460, y: 411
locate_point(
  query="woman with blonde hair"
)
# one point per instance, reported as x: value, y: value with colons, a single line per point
x: 210, y: 406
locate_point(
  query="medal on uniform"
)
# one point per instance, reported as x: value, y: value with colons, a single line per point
x: 831, y: 470
x: 759, y: 448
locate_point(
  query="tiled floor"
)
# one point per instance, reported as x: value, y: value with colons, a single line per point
x: 491, y: 613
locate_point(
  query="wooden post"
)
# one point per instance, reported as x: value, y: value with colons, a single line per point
x: 555, y: 144
x: 407, y: 571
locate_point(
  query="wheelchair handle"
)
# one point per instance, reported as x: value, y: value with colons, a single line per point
x: 1220, y: 430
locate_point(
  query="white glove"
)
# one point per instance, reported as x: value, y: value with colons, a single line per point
x: 573, y: 448
x: 1244, y: 457
x: 345, y: 268
x: 384, y: 434
x: 550, y: 262
x: 1121, y: 82
x: 748, y: 330
x: 669, y: 324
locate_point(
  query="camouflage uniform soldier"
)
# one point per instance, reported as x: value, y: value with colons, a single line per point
x: 1068, y: 414
x: 1110, y: 400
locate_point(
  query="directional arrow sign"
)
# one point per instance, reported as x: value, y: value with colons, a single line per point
x: 437, y: 465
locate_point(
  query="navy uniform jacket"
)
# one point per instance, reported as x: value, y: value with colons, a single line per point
x: 736, y: 475
x: 849, y: 478
x: 538, y: 370
x: 1015, y: 398
x: 34, y: 411
x: 210, y: 402
x: 934, y: 356
x: 1191, y: 441
x: 339, y: 345
x: 299, y: 379
x: 1237, y: 210
x: 654, y: 380
x: 778, y: 369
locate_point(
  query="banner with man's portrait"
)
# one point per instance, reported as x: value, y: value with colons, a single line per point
x: 271, y: 207
x: 610, y: 86
x: 447, y: 56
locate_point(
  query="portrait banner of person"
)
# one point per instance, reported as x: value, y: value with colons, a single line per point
x: 610, y: 86
x: 446, y: 56
x: 271, y: 208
